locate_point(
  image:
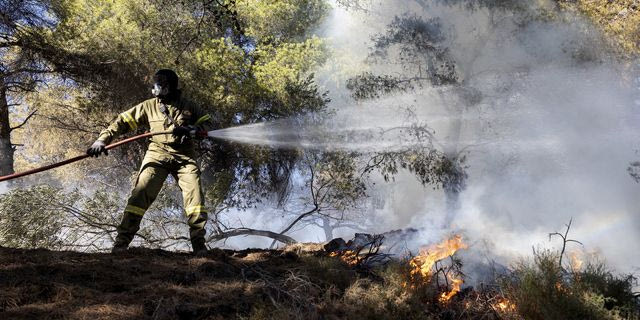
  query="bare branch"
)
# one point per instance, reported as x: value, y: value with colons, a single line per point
x: 251, y: 232
x: 565, y: 240
x: 24, y: 121
x: 300, y: 217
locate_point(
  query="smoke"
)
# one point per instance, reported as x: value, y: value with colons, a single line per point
x: 547, y: 120
x: 549, y: 140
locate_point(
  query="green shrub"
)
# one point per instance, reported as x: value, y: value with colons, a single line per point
x: 542, y: 289
x: 32, y: 217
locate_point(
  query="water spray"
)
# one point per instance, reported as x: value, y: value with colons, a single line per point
x: 275, y: 134
x: 222, y: 134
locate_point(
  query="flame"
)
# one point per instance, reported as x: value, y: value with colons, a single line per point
x: 349, y: 257
x: 576, y: 262
x: 504, y: 305
x: 422, y: 264
x: 455, y: 288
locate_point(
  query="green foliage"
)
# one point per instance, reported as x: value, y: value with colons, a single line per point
x: 371, y: 86
x: 335, y: 183
x: 277, y: 66
x: 616, y: 291
x: 55, y: 218
x: 243, y: 61
x: 430, y: 167
x: 418, y: 45
x: 619, y: 19
x: 30, y: 219
x: 277, y: 21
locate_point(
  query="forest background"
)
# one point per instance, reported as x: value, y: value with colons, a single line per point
x: 69, y: 67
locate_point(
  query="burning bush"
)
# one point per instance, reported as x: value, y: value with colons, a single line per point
x: 422, y: 286
x: 424, y: 267
x: 428, y: 285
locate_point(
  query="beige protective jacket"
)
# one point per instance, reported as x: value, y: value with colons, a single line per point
x: 149, y: 114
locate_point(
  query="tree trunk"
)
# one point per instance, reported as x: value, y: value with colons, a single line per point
x: 6, y: 149
x: 452, y: 202
x: 452, y: 150
x: 452, y: 190
x: 328, y: 229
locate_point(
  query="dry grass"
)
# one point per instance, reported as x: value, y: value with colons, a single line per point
x: 295, y: 283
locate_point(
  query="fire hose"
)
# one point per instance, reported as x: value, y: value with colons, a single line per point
x: 78, y: 158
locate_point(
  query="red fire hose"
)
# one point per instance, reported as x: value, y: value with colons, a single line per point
x: 78, y: 158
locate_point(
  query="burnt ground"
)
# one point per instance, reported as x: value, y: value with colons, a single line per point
x: 157, y: 284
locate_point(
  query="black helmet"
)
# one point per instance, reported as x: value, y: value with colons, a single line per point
x: 165, y: 83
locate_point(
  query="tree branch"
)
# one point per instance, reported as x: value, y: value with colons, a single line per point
x: 565, y: 240
x: 251, y: 232
x: 24, y: 121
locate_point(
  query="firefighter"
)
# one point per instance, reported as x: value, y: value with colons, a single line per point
x: 167, y: 154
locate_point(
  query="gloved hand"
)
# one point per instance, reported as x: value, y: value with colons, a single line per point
x: 190, y: 132
x: 182, y: 131
x: 182, y: 134
x: 200, y: 134
x: 97, y: 148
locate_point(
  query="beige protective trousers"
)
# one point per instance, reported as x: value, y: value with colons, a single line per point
x: 155, y: 168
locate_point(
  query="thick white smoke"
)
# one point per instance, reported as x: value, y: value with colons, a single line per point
x: 550, y: 140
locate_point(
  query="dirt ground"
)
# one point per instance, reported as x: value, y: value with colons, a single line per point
x: 149, y: 284
x: 300, y: 282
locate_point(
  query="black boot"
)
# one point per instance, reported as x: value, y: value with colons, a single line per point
x: 199, y: 247
x: 119, y: 246
x: 126, y: 231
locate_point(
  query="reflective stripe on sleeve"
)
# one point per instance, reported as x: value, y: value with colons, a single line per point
x: 195, y: 209
x: 203, y: 119
x: 135, y: 210
x: 128, y: 119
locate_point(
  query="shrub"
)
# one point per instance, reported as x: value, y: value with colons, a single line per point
x: 33, y: 217
x: 542, y: 289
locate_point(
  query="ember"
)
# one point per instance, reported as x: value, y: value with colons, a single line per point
x: 349, y: 257
x: 362, y: 252
x: 504, y: 305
